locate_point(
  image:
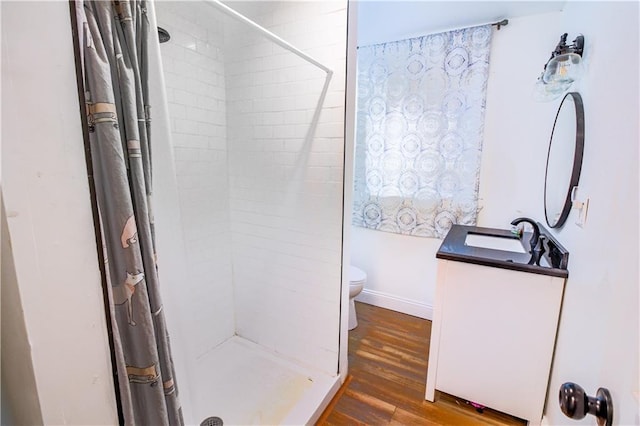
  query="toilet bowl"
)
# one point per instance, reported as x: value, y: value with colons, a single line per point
x: 357, y: 278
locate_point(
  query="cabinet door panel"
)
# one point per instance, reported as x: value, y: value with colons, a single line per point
x: 497, y: 336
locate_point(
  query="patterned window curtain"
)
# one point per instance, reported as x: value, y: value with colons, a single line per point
x: 114, y: 37
x: 419, y: 129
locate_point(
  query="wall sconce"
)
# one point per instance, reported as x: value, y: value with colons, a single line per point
x: 561, y: 70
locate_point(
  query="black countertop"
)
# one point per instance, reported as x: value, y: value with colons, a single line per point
x: 454, y: 248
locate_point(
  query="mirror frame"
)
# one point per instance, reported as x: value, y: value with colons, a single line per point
x: 577, y: 159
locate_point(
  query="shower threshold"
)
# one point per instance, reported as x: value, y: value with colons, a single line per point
x: 247, y: 384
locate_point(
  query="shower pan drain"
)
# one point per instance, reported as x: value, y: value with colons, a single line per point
x: 212, y: 421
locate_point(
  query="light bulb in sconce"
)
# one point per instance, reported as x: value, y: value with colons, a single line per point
x: 565, y: 68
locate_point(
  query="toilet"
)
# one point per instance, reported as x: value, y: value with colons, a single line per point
x: 357, y: 278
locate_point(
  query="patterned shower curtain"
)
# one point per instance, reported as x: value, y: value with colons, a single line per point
x: 419, y: 130
x: 114, y: 37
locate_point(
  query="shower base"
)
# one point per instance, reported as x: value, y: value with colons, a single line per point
x: 245, y: 384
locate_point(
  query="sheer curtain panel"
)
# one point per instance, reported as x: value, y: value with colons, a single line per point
x: 420, y: 120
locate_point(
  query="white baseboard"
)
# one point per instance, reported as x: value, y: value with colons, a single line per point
x: 395, y: 303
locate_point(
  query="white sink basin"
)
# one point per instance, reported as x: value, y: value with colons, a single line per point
x: 494, y: 242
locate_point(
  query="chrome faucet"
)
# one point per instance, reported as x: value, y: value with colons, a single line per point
x: 535, y: 252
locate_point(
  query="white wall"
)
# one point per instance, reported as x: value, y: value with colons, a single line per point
x: 286, y: 177
x: 49, y: 218
x: 349, y: 145
x: 401, y: 270
x: 193, y: 64
x: 598, y: 337
x: 416, y: 18
x: 517, y: 129
x: 20, y: 402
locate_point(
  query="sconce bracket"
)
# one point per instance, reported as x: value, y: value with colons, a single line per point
x: 577, y: 46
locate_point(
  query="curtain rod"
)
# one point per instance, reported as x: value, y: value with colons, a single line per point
x: 268, y: 34
x: 498, y: 25
x: 502, y: 23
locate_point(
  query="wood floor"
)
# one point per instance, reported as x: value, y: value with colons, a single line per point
x: 388, y: 354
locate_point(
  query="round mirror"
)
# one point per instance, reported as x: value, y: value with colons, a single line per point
x: 564, y: 159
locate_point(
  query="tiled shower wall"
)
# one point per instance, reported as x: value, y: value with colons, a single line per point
x: 286, y: 174
x: 193, y: 65
x: 258, y: 143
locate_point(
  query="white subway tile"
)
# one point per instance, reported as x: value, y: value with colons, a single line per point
x: 278, y: 197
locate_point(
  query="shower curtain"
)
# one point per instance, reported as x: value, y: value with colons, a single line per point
x: 114, y: 37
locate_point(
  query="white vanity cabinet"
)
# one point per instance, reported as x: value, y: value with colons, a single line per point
x: 493, y: 336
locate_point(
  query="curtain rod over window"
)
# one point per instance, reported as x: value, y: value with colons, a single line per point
x: 271, y: 36
x: 498, y: 25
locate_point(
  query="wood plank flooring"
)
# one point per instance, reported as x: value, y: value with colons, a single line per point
x: 388, y: 354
